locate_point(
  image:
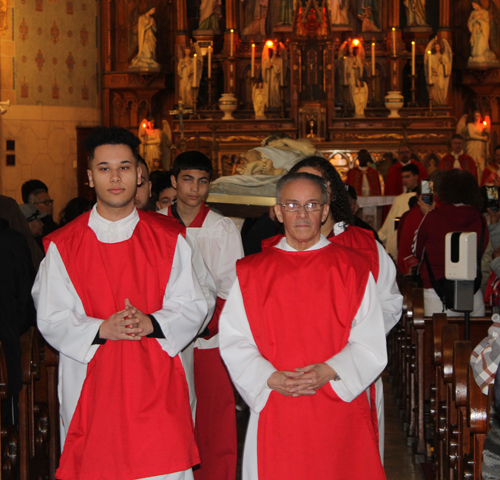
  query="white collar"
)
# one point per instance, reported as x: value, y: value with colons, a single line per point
x: 457, y: 154
x: 283, y: 245
x: 113, y: 232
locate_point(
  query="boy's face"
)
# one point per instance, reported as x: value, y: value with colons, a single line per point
x: 166, y: 197
x: 192, y: 187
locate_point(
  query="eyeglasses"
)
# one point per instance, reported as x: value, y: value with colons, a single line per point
x: 295, y: 207
x: 46, y: 202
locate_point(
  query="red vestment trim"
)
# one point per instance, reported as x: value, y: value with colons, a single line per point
x: 133, y: 418
x: 355, y: 179
x: 299, y: 318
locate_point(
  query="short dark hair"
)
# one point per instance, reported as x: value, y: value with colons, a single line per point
x: 459, y: 186
x: 496, y: 148
x: 412, y: 168
x: 363, y: 153
x: 456, y: 136
x: 31, y: 185
x: 351, y: 192
x: 143, y: 164
x: 111, y: 136
x: 160, y: 183
x: 340, y: 207
x: 192, y: 160
x: 292, y: 177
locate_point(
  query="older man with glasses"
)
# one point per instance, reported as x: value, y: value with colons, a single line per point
x: 40, y: 198
x: 302, y: 334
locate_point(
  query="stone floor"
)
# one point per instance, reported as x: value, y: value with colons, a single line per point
x: 398, y: 460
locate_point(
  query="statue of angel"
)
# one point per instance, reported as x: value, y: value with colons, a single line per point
x: 415, y: 13
x: 186, y: 70
x: 484, y: 32
x: 440, y: 67
x: 259, y: 100
x: 360, y: 98
x: 352, y: 54
x: 339, y: 12
x: 150, y: 142
x: 274, y: 68
x: 476, y: 135
x: 146, y: 56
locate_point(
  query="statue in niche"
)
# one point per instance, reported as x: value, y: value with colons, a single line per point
x: 286, y: 12
x: 367, y: 22
x: 339, y: 11
x: 255, y: 17
x: 209, y: 15
x: 150, y: 142
x: 440, y: 65
x: 274, y: 63
x: 146, y: 56
x: 353, y: 56
x: 185, y: 70
x: 360, y: 98
x: 476, y: 135
x: 484, y: 31
x: 259, y: 100
x: 415, y: 13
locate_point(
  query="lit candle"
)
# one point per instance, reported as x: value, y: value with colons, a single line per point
x: 393, y: 41
x: 373, y: 59
x: 430, y: 67
x: 232, y: 42
x: 209, y: 61
x: 253, y: 60
x: 413, y: 58
x: 345, y: 71
x: 194, y: 73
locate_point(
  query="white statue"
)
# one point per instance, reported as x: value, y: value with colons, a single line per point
x: 339, y: 11
x: 4, y: 104
x: 255, y: 14
x: 360, y: 98
x: 264, y: 166
x: 415, y: 13
x: 209, y: 14
x: 353, y: 63
x: 146, y: 56
x: 185, y: 70
x: 480, y: 27
x: 476, y: 135
x: 274, y: 62
x: 259, y: 100
x: 150, y: 142
x: 440, y: 65
x: 367, y: 23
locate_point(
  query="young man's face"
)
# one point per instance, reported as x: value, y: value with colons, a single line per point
x: 114, y: 175
x: 192, y: 186
x: 410, y: 181
x: 143, y: 191
x: 167, y: 196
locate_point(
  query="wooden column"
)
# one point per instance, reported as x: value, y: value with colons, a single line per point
x: 393, y: 14
x: 444, y: 20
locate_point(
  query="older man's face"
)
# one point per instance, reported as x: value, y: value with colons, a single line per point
x: 302, y: 228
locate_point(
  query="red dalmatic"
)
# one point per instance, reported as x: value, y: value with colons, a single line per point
x: 299, y: 318
x: 133, y: 418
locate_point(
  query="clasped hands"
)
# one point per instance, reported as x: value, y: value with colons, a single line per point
x: 129, y: 324
x: 303, y: 381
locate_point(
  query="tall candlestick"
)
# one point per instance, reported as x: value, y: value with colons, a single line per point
x: 430, y: 66
x: 194, y: 73
x: 253, y: 60
x: 345, y: 71
x: 413, y: 58
x: 393, y: 41
x: 209, y: 61
x: 232, y: 42
x: 373, y: 59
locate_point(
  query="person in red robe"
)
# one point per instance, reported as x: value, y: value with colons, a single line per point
x: 393, y: 181
x: 457, y: 158
x: 363, y: 178
x: 491, y: 174
x: 302, y: 348
x: 117, y: 297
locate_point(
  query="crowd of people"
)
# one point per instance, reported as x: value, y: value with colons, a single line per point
x: 163, y: 312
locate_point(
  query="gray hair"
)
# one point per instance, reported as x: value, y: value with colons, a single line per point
x: 292, y: 177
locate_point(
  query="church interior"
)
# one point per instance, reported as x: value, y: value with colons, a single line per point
x: 221, y: 77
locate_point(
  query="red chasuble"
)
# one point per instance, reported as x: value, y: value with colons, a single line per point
x: 215, y: 427
x: 298, y: 318
x: 355, y: 179
x: 133, y: 418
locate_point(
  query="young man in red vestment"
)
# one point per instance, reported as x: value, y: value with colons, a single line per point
x: 363, y: 178
x: 220, y: 244
x: 302, y: 348
x: 393, y: 181
x: 491, y: 174
x: 117, y: 297
x: 457, y: 158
